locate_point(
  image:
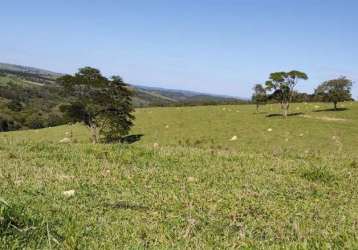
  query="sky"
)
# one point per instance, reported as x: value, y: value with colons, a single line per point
x: 213, y: 46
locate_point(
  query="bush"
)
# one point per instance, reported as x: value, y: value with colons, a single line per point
x: 15, y: 105
x: 35, y: 121
x: 55, y: 120
x: 8, y: 125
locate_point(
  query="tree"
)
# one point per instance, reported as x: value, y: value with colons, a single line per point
x: 35, y: 121
x: 259, y: 96
x: 104, y: 105
x: 336, y: 90
x: 15, y: 105
x: 282, y: 84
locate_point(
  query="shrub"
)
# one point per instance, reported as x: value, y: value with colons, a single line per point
x: 34, y: 121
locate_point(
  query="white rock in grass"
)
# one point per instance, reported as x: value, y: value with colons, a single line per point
x: 65, y: 140
x: 269, y: 129
x: 191, y: 179
x: 69, y: 193
x: 156, y: 145
x: 234, y: 138
x: 167, y: 126
x: 301, y: 134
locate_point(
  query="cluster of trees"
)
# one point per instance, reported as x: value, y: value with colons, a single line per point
x: 26, y: 107
x: 281, y: 88
x: 103, y: 104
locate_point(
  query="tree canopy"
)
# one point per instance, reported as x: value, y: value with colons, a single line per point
x: 104, y: 105
x: 335, y: 90
x: 282, y: 84
x: 259, y: 96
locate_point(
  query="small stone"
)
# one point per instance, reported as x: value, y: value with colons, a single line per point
x: 269, y: 129
x: 234, y: 138
x: 69, y: 193
x: 191, y: 179
x: 65, y: 140
x: 156, y: 145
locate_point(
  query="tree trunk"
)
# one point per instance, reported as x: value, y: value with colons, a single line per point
x: 94, y: 133
x: 257, y: 107
x: 335, y: 105
x: 284, y: 107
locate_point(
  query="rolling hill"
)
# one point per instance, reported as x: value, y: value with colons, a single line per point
x: 30, y: 98
x: 282, y: 184
x: 144, y: 96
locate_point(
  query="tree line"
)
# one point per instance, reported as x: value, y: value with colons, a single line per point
x: 280, y: 88
x: 105, y: 105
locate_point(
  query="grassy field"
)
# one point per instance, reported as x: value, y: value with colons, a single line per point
x: 201, y: 177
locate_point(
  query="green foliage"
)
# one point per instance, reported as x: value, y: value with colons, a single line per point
x: 282, y: 84
x: 55, y: 120
x: 15, y: 105
x: 336, y: 90
x: 35, y: 121
x: 7, y: 124
x: 259, y: 97
x: 104, y: 105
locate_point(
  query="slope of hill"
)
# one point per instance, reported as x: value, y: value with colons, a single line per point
x: 28, y: 70
x: 144, y: 96
x: 30, y: 98
x: 187, y: 97
x: 294, y: 186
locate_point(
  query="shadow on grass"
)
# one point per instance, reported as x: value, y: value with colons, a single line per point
x: 291, y: 114
x: 330, y: 110
x: 129, y: 139
x: 127, y: 205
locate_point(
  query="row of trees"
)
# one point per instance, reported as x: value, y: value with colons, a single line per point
x: 281, y: 88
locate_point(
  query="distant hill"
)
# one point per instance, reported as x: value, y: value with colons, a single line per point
x: 30, y: 97
x: 187, y: 97
x: 28, y: 70
x: 144, y: 96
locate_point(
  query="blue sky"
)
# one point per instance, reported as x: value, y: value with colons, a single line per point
x: 214, y: 46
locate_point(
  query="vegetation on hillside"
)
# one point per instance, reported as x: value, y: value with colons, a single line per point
x: 30, y: 98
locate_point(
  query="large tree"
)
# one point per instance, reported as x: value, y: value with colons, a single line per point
x: 336, y: 90
x: 104, y: 105
x: 282, y: 84
x: 259, y: 96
